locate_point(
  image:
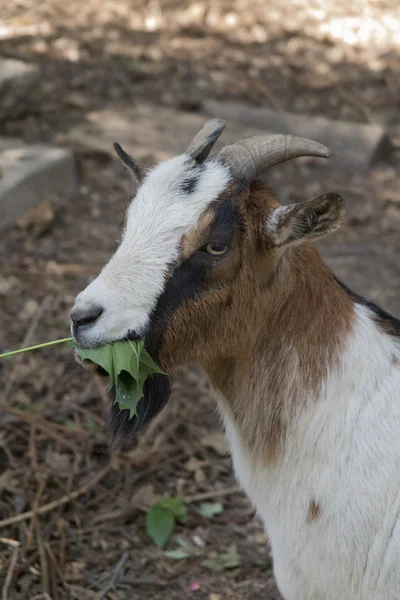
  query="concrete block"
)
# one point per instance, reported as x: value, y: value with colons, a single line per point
x: 356, y: 145
x: 30, y: 174
x: 146, y: 131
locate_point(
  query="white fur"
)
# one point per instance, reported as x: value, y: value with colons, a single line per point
x: 343, y: 453
x: 130, y: 284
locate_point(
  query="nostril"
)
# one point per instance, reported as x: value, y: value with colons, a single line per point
x: 84, y: 316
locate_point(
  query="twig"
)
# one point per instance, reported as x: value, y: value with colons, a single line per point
x: 212, y: 494
x: 32, y: 448
x: 10, y: 542
x: 61, y: 525
x: 44, y: 569
x: 40, y: 489
x: 36, y: 347
x: 57, y: 571
x: 141, y: 581
x: 32, y: 418
x: 7, y: 451
x: 47, y: 426
x: 56, y: 503
x: 25, y: 565
x: 96, y: 583
x: 114, y: 576
x: 27, y: 339
x: 9, y: 575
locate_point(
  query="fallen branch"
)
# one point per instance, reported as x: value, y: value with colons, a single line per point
x: 47, y: 426
x: 213, y: 494
x: 56, y: 503
x: 131, y: 581
x: 9, y: 575
x: 113, y: 577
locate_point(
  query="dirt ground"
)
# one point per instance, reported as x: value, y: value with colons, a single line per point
x: 87, y: 509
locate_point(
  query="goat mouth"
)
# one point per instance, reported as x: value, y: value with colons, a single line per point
x: 121, y: 429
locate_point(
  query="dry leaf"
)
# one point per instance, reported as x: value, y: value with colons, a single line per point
x: 144, y: 497
x: 260, y: 538
x: 74, y: 571
x: 5, y: 480
x: 193, y: 464
x: 216, y: 441
x: 38, y: 219
x: 57, y: 461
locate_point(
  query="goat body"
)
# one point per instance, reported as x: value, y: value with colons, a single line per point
x: 212, y: 269
x: 331, y: 501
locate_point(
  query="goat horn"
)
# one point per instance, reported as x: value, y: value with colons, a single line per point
x: 128, y: 161
x: 200, y: 147
x: 251, y: 157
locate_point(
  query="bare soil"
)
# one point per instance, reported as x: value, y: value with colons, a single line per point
x: 52, y: 444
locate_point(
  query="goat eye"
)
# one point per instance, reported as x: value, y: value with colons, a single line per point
x: 217, y: 249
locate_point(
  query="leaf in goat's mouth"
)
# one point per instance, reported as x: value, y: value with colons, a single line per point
x: 128, y: 366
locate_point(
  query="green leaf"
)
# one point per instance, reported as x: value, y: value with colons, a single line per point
x: 187, y: 549
x: 159, y: 524
x: 229, y: 558
x: 127, y: 393
x: 128, y: 366
x: 102, y: 356
x: 176, y: 506
x: 71, y: 424
x: 209, y: 509
x: 90, y: 424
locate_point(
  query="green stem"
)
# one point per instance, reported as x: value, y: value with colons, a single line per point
x: 68, y: 339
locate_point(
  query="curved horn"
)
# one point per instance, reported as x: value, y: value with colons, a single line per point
x: 200, y: 147
x: 251, y: 157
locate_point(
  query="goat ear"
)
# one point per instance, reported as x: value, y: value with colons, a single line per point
x: 306, y: 221
x: 128, y: 161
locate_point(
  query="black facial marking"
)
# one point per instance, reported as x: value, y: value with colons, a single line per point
x: 385, y: 320
x: 226, y: 220
x: 188, y: 280
x: 121, y: 429
x: 189, y: 184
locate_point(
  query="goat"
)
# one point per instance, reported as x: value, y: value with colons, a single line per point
x: 211, y: 269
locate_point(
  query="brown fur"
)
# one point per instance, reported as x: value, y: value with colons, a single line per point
x: 314, y: 511
x: 267, y: 314
x: 197, y: 236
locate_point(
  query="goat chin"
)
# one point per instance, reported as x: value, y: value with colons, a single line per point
x: 121, y: 429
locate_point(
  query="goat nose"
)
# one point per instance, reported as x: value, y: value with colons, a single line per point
x: 85, y: 315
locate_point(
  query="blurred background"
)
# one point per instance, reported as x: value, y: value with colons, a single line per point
x: 74, y: 77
